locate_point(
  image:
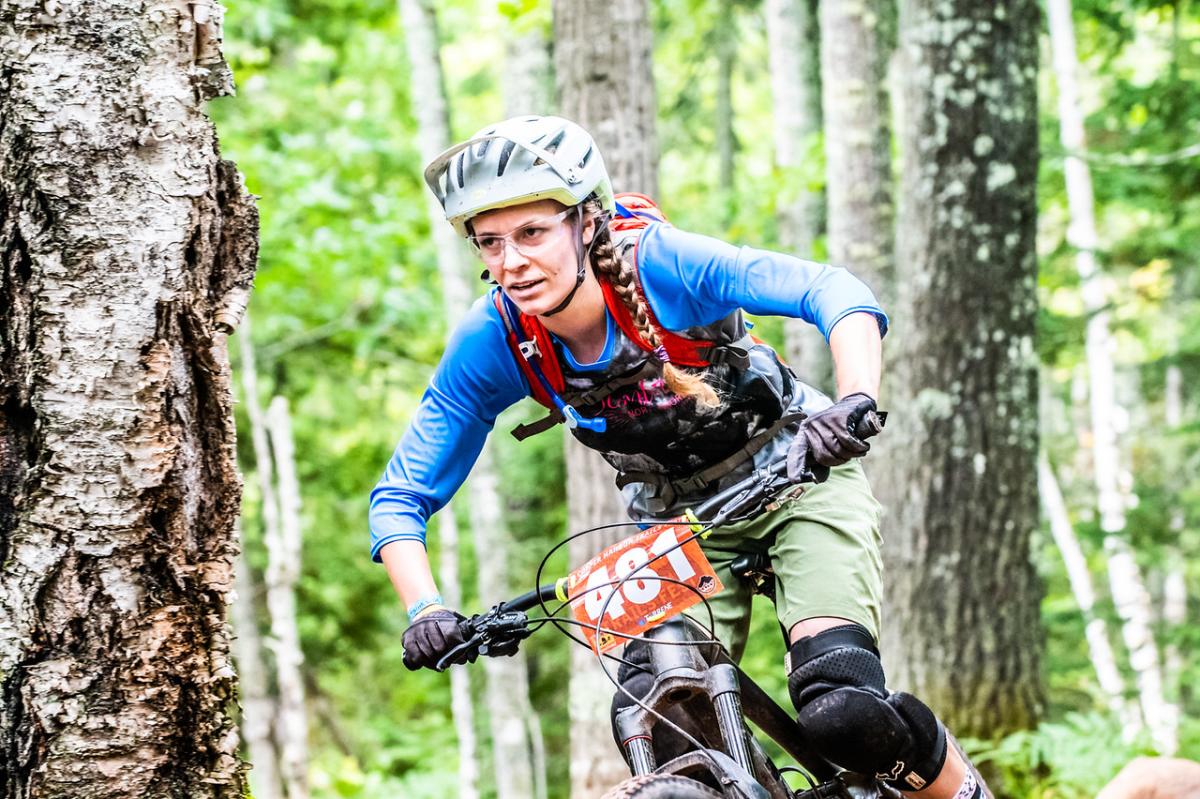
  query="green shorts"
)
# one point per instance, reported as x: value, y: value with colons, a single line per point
x: 824, y: 547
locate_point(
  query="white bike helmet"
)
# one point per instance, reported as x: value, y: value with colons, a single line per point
x: 519, y: 160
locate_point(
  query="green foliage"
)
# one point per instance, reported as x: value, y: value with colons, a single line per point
x: 347, y: 325
x: 1071, y: 759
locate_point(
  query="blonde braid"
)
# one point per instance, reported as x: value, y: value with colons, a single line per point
x: 619, y: 273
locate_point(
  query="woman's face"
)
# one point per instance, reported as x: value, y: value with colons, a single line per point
x: 530, y: 251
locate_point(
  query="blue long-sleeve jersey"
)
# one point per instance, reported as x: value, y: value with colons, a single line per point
x: 689, y: 280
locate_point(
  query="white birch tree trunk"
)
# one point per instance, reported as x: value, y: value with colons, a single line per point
x: 283, y: 572
x: 1128, y: 589
x: 508, y: 677
x: 796, y: 113
x: 1175, y: 583
x: 507, y: 686
x: 460, y: 682
x: 127, y: 248
x: 258, y: 707
x: 1103, y: 660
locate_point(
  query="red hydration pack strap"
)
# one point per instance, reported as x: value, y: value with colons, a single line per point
x: 529, y: 339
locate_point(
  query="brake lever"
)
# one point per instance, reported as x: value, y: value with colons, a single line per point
x: 447, y: 659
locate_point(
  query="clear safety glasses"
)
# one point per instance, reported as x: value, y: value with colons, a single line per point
x: 528, y: 240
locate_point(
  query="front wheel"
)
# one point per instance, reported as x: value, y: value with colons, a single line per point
x: 661, y: 786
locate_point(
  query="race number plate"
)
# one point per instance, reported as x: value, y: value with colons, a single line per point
x: 648, y: 598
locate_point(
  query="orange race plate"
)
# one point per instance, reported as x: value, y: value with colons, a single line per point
x: 649, y: 597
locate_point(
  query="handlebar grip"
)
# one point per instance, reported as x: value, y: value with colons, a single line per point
x: 871, y: 424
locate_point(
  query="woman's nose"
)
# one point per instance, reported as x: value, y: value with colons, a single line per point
x: 512, y: 256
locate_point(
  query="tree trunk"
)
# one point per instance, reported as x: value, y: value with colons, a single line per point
x: 528, y: 79
x: 1175, y: 584
x: 507, y: 687
x: 1099, y: 648
x: 127, y: 248
x: 258, y: 707
x: 508, y: 678
x: 283, y: 572
x: 605, y: 83
x: 460, y: 683
x: 962, y: 630
x: 725, y: 43
x: 796, y: 110
x: 856, y: 44
x: 1128, y: 589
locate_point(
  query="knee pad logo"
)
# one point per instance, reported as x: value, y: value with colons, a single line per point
x: 894, y: 774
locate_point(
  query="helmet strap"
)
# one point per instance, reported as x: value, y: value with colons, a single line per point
x: 584, y: 257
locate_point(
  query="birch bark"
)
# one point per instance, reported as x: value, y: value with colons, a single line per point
x: 1175, y: 584
x: 283, y: 572
x: 963, y: 498
x: 605, y: 83
x: 127, y: 249
x: 461, y: 705
x: 793, y: 42
x: 258, y: 707
x: 1099, y: 648
x: 1125, y: 580
x: 507, y: 687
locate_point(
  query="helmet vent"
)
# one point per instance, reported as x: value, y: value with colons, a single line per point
x: 482, y: 148
x: 505, y: 154
x: 586, y: 157
x: 462, y: 184
x: 552, y: 147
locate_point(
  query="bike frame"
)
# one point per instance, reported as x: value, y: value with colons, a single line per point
x: 694, y: 674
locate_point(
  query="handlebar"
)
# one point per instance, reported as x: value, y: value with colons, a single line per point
x: 501, y: 629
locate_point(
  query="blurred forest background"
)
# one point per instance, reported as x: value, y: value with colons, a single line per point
x: 348, y: 322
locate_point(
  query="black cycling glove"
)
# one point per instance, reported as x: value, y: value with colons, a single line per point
x: 830, y: 438
x: 430, y: 637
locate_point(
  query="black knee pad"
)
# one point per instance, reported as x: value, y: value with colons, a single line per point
x: 837, y: 685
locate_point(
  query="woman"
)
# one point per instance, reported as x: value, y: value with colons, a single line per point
x: 622, y: 308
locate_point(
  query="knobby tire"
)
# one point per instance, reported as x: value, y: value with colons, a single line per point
x: 661, y: 786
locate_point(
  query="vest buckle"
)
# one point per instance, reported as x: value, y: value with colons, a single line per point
x: 529, y: 349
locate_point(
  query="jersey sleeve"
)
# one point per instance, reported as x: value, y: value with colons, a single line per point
x: 692, y: 279
x: 476, y: 379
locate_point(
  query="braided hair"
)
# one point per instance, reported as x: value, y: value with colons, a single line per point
x: 618, y: 272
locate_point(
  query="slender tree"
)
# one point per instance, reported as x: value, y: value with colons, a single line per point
x: 1104, y: 661
x: 507, y: 688
x: 1129, y: 592
x: 793, y: 42
x: 725, y: 41
x: 605, y: 83
x: 962, y: 629
x: 259, y: 706
x: 1175, y: 597
x: 127, y: 248
x: 856, y: 45
x: 283, y: 573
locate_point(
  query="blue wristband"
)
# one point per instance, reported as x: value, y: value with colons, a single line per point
x: 423, y: 603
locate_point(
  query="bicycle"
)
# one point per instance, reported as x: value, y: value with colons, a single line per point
x: 695, y: 678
